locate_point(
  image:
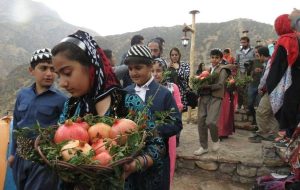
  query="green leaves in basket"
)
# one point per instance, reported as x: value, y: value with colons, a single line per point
x: 81, y: 158
x: 93, y: 119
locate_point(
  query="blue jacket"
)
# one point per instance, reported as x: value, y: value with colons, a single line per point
x: 163, y: 101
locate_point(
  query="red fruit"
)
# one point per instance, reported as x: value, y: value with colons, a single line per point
x: 99, y: 131
x: 103, y: 145
x: 99, y: 146
x: 120, y: 128
x: 83, y: 124
x: 104, y: 158
x: 126, y: 125
x: 205, y: 74
x: 70, y: 131
x: 231, y: 81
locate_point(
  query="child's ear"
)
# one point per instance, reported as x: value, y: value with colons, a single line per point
x: 30, y: 69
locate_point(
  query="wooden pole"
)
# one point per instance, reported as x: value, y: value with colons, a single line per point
x: 192, y: 54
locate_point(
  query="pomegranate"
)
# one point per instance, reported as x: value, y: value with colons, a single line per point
x: 104, y: 158
x: 120, y: 128
x: 102, y: 145
x: 231, y: 81
x: 69, y: 150
x: 204, y: 74
x: 70, y: 131
x: 99, y: 146
x: 82, y: 123
x: 99, y: 131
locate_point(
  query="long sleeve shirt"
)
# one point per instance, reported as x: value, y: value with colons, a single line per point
x: 32, y: 108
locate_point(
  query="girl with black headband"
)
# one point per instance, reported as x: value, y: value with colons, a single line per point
x: 84, y: 71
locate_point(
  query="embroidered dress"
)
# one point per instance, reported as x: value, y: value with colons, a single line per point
x: 104, y: 83
x: 154, y: 147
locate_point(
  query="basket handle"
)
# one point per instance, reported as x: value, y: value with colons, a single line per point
x: 38, y: 149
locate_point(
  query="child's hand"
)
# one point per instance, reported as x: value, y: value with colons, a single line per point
x: 129, y: 168
x: 10, y: 160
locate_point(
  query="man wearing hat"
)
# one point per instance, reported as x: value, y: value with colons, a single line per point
x: 41, y: 103
x: 139, y: 61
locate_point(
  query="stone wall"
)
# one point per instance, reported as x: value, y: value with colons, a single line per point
x: 242, y: 172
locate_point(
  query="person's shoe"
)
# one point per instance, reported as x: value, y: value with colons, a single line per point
x: 221, y: 138
x: 282, y: 143
x: 200, y: 151
x: 269, y: 138
x: 255, y: 139
x: 216, y: 146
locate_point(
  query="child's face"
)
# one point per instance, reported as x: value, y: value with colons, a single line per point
x: 139, y: 73
x: 215, y: 60
x: 157, y: 72
x: 73, y: 76
x: 44, y: 74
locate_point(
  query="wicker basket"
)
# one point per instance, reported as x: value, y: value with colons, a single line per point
x: 95, y: 172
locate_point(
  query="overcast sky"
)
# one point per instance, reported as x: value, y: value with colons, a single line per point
x: 109, y: 17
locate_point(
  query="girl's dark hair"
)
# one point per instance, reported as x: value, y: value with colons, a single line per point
x: 177, y: 50
x: 72, y: 52
x: 162, y: 65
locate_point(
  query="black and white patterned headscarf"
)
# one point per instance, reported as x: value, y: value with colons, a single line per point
x: 102, y: 76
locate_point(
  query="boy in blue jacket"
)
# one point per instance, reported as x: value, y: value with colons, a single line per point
x: 139, y: 61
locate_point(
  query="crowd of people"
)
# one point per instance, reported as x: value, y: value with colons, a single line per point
x: 98, y: 86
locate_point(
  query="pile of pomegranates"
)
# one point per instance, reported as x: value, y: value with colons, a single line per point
x: 99, y: 138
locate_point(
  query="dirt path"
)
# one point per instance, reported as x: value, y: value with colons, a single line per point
x: 185, y: 180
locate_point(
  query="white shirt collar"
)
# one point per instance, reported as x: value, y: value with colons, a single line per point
x: 141, y: 90
x: 145, y: 86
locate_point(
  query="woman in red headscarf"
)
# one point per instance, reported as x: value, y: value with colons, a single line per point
x: 283, y: 82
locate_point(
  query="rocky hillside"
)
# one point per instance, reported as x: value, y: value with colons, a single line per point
x: 25, y: 26
x: 43, y: 28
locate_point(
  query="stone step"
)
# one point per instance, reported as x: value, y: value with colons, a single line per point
x: 245, y: 126
x: 237, y: 159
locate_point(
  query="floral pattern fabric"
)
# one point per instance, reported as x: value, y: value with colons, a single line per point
x: 183, y: 82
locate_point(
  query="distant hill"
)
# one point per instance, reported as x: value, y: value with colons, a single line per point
x: 45, y: 29
x: 25, y: 26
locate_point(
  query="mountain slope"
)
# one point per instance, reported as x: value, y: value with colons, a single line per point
x: 208, y: 36
x: 26, y: 26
